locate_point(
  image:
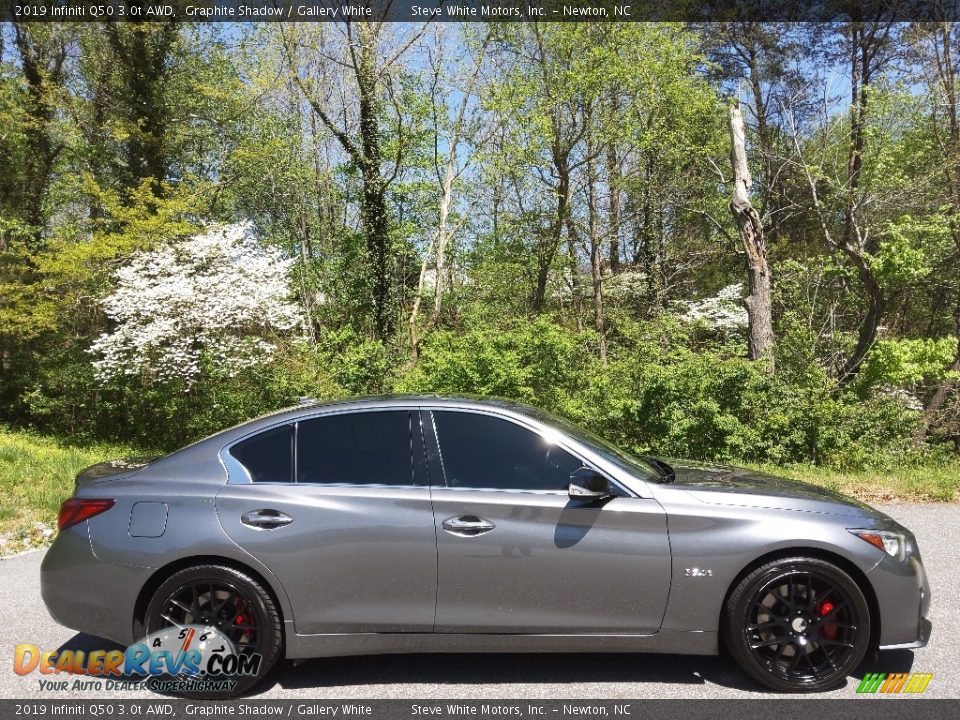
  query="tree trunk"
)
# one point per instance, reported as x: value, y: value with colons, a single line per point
x: 870, y: 326
x: 613, y: 209
x: 306, y: 262
x: 596, y: 260
x: 373, y: 206
x: 575, y: 293
x: 443, y: 234
x: 143, y: 55
x: 613, y: 188
x: 758, y: 301
x: 865, y: 41
x: 412, y: 332
x: 768, y: 196
x: 936, y: 403
x: 42, y: 66
x: 451, y: 173
x: 547, y: 247
x: 367, y: 155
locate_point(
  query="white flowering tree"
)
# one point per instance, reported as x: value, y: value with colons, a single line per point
x: 212, y: 298
x: 725, y: 311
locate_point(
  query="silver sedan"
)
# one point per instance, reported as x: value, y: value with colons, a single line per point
x: 434, y: 524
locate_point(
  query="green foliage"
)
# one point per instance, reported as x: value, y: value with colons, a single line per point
x: 536, y: 362
x: 909, y: 247
x: 712, y: 406
x: 36, y: 475
x: 936, y: 481
x: 354, y: 364
x: 906, y: 363
x: 664, y: 393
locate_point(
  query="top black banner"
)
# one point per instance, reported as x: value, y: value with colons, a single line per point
x: 236, y: 11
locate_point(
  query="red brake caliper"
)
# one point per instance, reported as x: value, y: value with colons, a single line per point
x: 241, y: 618
x: 829, y: 630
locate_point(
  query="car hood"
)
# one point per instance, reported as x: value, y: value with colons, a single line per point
x: 725, y: 485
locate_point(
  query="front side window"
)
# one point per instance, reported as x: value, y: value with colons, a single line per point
x: 268, y: 456
x: 486, y: 452
x: 363, y: 448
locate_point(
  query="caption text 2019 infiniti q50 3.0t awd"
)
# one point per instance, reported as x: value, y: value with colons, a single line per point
x: 432, y: 524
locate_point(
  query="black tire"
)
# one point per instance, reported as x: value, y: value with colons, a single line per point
x: 263, y: 634
x: 797, y: 625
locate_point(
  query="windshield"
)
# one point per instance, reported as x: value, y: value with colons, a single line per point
x: 604, y: 448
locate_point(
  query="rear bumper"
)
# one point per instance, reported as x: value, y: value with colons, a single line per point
x: 87, y: 594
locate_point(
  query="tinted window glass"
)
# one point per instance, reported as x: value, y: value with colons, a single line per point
x: 623, y: 460
x: 480, y: 451
x: 370, y: 448
x: 267, y: 456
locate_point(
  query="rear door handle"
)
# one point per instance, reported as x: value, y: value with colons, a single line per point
x: 467, y: 525
x: 265, y: 519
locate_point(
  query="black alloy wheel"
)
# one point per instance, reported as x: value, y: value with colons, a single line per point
x: 797, y: 625
x: 229, y: 600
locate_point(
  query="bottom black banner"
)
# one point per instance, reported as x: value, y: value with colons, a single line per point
x: 875, y: 708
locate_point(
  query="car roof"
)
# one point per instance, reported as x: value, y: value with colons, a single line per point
x: 386, y: 401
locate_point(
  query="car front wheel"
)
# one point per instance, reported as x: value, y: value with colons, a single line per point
x: 797, y: 624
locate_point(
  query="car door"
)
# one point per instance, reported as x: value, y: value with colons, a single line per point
x: 517, y: 555
x: 337, y: 508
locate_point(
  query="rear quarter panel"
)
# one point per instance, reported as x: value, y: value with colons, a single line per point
x: 191, y: 529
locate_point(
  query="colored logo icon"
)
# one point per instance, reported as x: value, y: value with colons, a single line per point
x: 894, y: 683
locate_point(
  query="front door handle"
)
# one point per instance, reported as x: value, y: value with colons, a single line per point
x: 265, y: 519
x: 467, y: 525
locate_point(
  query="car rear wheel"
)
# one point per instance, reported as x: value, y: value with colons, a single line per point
x: 234, y: 603
x: 797, y: 624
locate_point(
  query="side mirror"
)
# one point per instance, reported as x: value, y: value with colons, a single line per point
x: 588, y: 483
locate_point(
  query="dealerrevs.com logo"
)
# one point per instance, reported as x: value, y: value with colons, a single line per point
x: 894, y: 683
x: 188, y: 658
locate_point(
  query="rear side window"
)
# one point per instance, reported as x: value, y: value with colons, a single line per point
x: 364, y: 448
x: 485, y: 452
x: 268, y: 457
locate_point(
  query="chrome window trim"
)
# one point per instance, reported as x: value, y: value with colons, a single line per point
x: 512, y: 491
x: 341, y: 486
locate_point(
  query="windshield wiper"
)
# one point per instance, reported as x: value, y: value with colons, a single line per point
x: 667, y: 475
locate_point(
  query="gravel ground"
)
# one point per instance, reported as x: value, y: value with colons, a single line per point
x: 424, y: 677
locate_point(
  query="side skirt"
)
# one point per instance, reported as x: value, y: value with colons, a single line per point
x: 300, y: 647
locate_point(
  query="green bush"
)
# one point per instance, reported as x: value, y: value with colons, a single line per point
x: 536, y: 362
x: 708, y: 406
x: 666, y: 392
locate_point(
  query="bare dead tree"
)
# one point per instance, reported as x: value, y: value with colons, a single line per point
x: 758, y: 301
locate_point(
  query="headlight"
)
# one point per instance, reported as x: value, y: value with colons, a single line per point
x: 892, y: 543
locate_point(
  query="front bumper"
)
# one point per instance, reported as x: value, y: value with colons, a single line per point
x: 923, y: 637
x: 903, y: 599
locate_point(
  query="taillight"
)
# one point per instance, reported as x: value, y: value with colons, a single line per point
x: 76, y: 510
